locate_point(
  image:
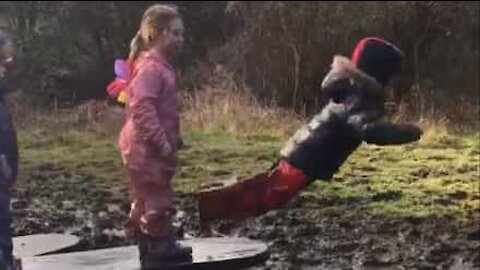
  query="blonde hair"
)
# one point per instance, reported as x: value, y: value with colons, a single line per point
x: 155, y: 20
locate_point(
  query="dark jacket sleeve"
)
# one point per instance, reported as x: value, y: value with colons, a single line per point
x: 8, y: 146
x: 384, y: 133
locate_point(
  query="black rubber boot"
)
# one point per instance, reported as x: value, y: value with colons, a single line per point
x: 159, y: 253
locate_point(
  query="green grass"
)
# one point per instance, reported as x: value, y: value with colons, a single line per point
x: 439, y: 176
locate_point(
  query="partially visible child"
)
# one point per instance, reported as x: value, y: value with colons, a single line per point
x: 151, y: 135
x: 8, y: 157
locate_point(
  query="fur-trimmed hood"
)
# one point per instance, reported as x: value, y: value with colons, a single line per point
x: 343, y: 68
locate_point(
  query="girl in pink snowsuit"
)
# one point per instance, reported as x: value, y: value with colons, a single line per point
x: 151, y: 135
x: 148, y: 140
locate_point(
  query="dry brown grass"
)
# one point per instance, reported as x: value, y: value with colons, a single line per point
x: 464, y: 117
x: 220, y: 104
x: 224, y: 105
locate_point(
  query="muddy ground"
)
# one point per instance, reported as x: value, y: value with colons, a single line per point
x: 301, y: 236
x: 415, y: 206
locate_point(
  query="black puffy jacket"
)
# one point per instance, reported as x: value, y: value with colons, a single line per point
x: 352, y: 116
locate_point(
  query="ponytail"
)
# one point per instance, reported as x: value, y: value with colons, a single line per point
x: 137, y: 45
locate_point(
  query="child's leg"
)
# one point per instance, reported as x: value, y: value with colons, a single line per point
x: 137, y: 209
x: 256, y: 195
x: 157, y: 243
x: 6, y: 246
x: 151, y: 202
x: 159, y: 209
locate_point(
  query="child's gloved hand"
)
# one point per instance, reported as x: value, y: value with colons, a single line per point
x: 180, y: 143
x: 166, y: 150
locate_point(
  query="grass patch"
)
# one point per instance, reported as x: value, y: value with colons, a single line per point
x: 437, y: 176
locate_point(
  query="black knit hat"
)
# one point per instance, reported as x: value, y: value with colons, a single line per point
x: 378, y: 58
